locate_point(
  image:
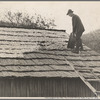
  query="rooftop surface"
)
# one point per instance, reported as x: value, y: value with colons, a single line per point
x: 43, y: 53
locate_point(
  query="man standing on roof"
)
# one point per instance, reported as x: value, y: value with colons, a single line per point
x: 78, y: 30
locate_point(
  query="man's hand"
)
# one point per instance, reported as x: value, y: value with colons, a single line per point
x: 74, y: 34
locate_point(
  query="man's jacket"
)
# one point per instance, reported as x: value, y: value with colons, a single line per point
x: 77, y: 25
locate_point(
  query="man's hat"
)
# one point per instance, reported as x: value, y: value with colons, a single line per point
x: 69, y: 11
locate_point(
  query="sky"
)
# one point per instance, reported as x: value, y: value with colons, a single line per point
x: 88, y: 11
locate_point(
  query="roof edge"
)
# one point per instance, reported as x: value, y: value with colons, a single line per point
x: 61, y: 30
x: 53, y: 30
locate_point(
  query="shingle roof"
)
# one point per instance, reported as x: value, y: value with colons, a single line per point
x: 43, y: 53
x: 37, y: 62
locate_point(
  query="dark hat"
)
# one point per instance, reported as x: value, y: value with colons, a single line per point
x: 69, y: 11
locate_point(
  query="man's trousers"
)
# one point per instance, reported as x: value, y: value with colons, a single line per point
x: 79, y: 41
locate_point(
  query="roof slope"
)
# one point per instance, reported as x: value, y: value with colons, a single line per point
x: 43, y: 53
x: 41, y: 59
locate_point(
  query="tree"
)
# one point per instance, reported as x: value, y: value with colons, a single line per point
x: 19, y: 19
x: 10, y: 17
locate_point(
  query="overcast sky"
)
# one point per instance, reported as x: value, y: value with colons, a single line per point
x: 89, y: 12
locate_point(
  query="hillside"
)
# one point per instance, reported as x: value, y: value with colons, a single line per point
x: 92, y: 40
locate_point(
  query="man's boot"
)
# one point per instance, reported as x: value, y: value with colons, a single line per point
x: 81, y: 46
x: 75, y: 51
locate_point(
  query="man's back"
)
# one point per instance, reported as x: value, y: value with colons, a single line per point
x: 77, y: 24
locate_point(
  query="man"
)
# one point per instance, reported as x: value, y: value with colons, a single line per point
x: 78, y: 30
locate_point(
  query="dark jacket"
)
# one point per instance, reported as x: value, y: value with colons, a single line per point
x: 77, y: 25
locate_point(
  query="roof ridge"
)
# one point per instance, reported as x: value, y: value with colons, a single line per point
x: 36, y: 29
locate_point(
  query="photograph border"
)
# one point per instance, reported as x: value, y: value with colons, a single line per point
x: 50, y: 98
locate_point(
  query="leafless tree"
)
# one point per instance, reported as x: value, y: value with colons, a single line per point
x: 19, y: 19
